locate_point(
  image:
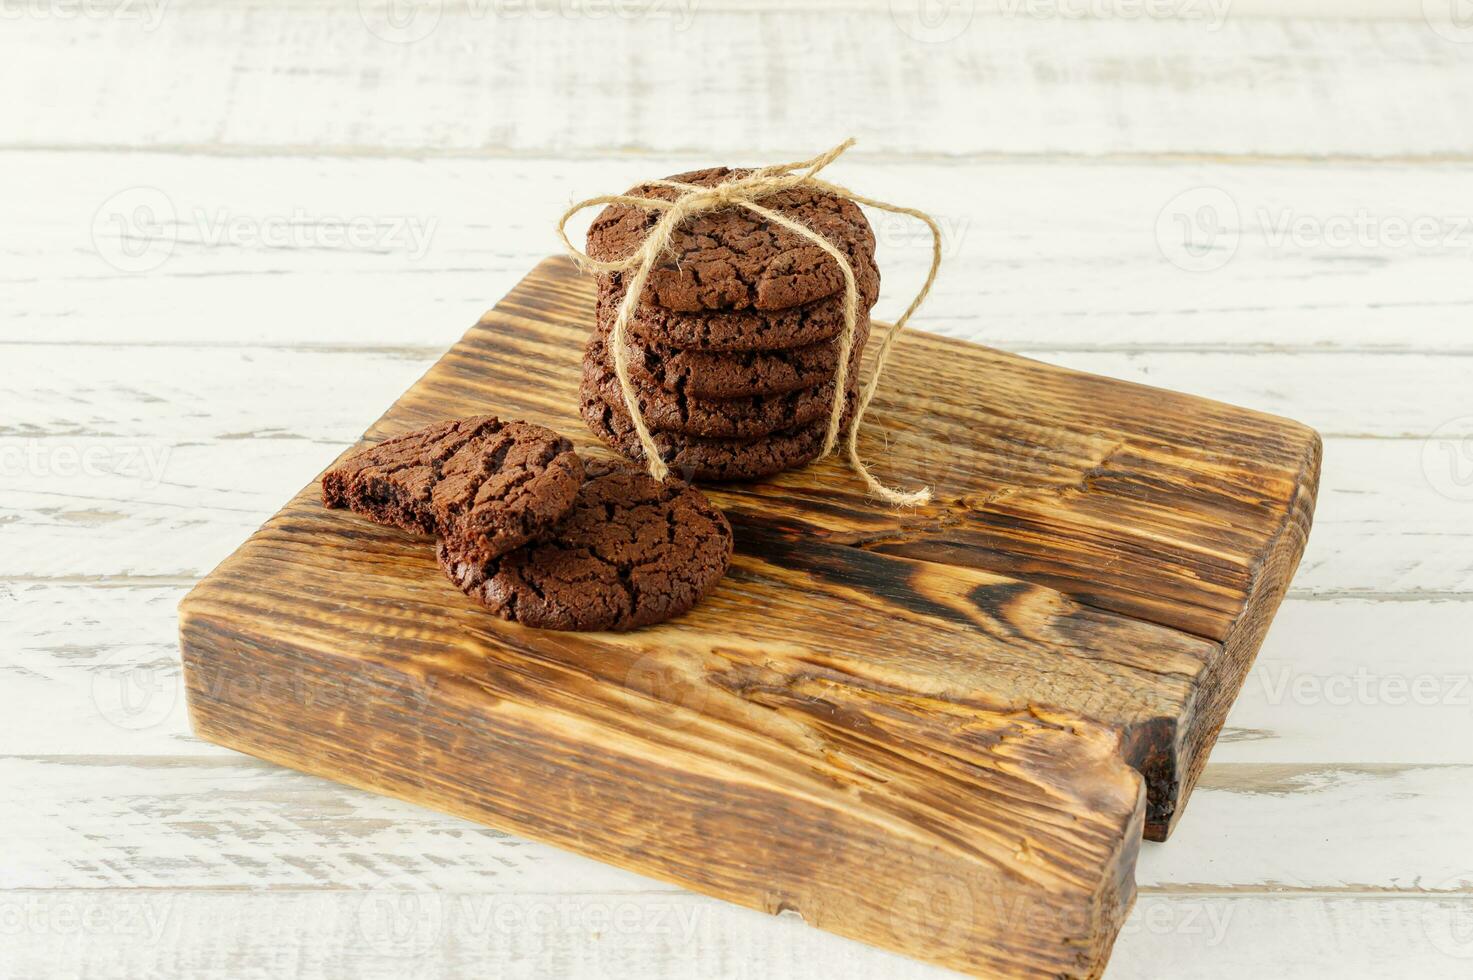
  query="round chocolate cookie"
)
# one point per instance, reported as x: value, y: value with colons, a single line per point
x: 733, y: 259
x: 734, y: 374
x: 695, y: 458
x: 740, y: 330
x: 722, y: 418
x: 486, y: 485
x: 632, y: 552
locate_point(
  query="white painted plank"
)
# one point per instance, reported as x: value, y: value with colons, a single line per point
x: 232, y: 822
x: 1300, y: 938
x: 1394, y: 516
x: 1314, y: 827
x: 173, y: 396
x: 399, y: 932
x: 135, y: 507
x: 481, y: 75
x: 1356, y: 680
x: 220, y: 250
x: 93, y: 670
x: 229, y: 822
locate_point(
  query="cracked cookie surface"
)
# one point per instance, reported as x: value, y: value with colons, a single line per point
x: 740, y: 330
x: 720, y: 418
x: 632, y: 552
x: 697, y: 458
x: 485, y: 484
x: 734, y: 259
x: 733, y: 374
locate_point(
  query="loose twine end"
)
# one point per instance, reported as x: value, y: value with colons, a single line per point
x: 746, y: 192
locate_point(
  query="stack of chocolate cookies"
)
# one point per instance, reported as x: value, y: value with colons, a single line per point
x: 734, y: 346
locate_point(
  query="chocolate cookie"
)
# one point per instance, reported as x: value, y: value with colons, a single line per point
x: 720, y: 418
x: 695, y: 458
x: 632, y: 552
x: 733, y: 259
x: 733, y: 374
x: 486, y: 485
x: 799, y: 326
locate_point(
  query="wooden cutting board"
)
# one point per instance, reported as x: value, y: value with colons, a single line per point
x: 942, y: 731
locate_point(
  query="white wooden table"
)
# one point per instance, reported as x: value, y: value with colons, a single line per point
x: 232, y: 231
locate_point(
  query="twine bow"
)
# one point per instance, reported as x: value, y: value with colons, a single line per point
x: 746, y: 192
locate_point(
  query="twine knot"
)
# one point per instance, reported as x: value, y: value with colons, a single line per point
x: 746, y: 191
x: 725, y: 194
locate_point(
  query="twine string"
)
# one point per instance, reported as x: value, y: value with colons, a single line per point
x: 745, y: 192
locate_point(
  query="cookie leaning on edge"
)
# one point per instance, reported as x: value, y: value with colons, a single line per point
x: 486, y: 485
x: 632, y: 552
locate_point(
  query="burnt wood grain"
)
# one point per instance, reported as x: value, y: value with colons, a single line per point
x: 941, y: 730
